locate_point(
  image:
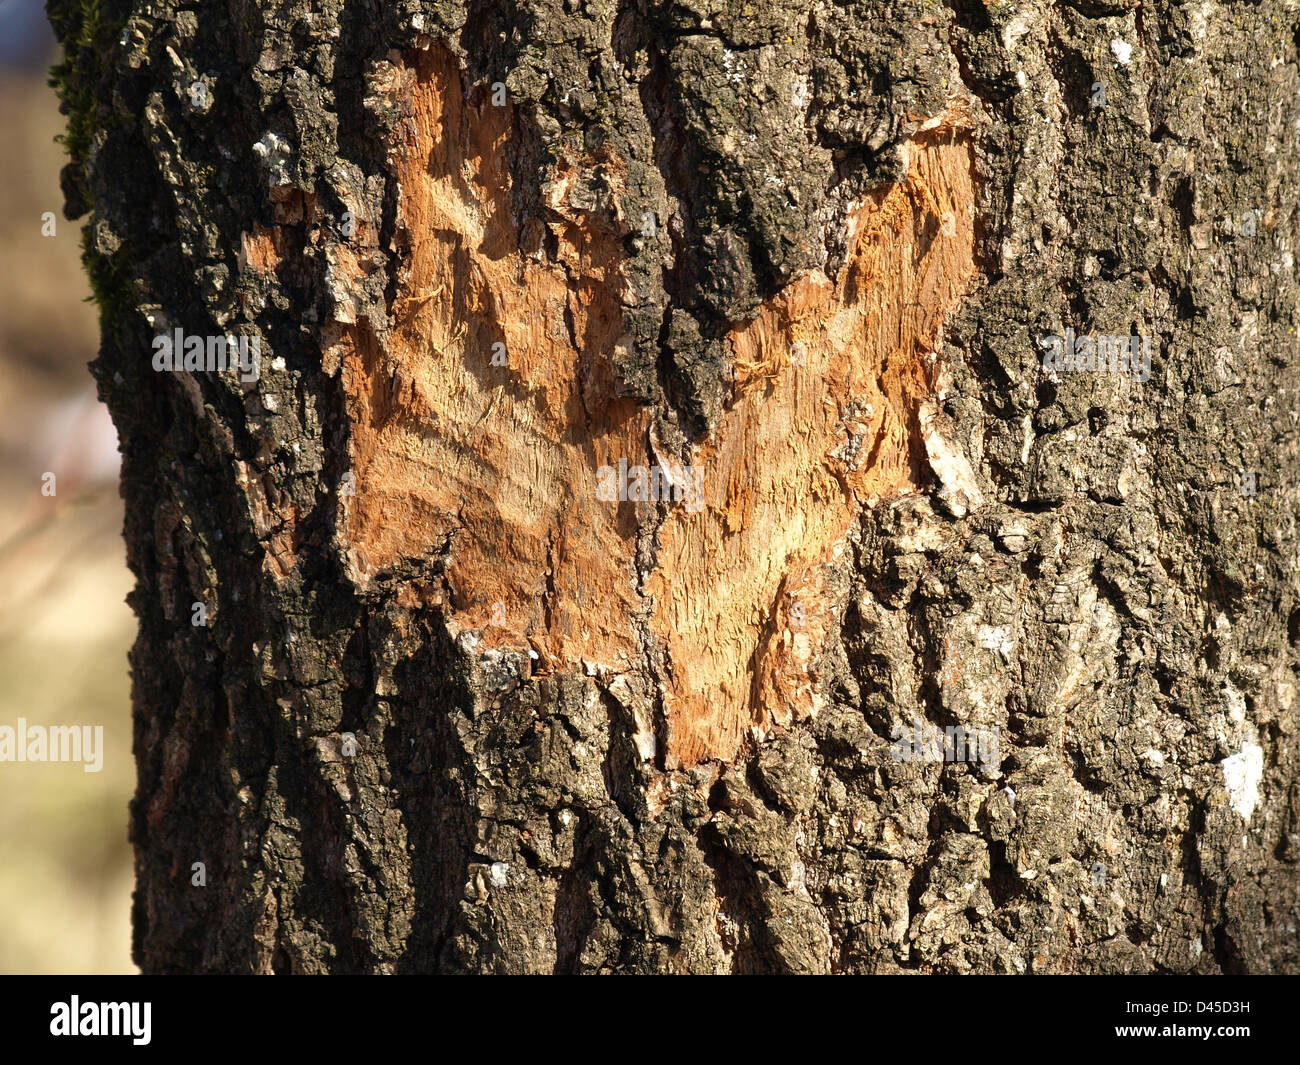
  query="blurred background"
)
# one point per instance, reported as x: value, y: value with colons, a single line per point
x: 65, y: 864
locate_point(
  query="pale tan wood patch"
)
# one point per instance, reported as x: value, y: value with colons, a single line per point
x: 501, y: 461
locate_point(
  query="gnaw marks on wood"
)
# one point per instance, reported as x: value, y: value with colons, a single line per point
x: 501, y: 461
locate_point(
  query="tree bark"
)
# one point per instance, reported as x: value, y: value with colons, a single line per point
x: 656, y: 436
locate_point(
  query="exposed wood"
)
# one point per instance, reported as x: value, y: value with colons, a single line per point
x: 498, y: 464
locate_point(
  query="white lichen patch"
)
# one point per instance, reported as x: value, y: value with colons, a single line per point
x: 1242, y: 773
x: 799, y: 91
x: 275, y: 152
x: 1016, y: 28
x: 1236, y: 703
x: 997, y: 638
x: 950, y: 464
x: 1122, y: 51
x: 1199, y: 18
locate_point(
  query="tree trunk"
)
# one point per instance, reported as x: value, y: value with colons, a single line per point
x: 723, y: 488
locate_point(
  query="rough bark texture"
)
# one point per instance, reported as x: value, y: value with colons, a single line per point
x: 809, y: 250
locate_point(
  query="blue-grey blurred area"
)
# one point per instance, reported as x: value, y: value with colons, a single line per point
x: 25, y: 38
x: 65, y: 864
